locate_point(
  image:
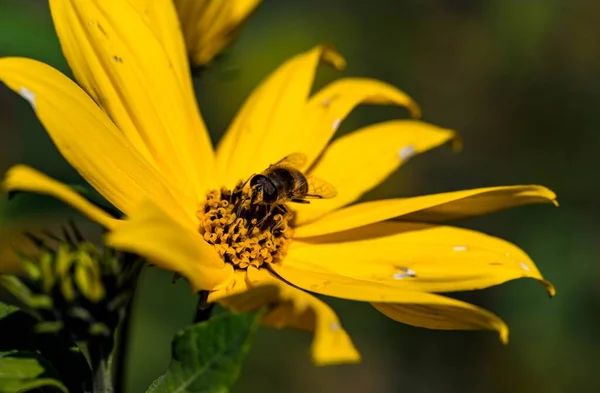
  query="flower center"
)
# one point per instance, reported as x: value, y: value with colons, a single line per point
x: 244, y: 233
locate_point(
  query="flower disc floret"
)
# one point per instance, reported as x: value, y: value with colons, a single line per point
x: 250, y: 239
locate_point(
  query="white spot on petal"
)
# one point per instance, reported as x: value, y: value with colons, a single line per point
x: 334, y: 326
x: 407, y: 152
x: 326, y: 102
x: 336, y: 124
x: 404, y: 272
x: 524, y: 266
x: 28, y: 95
x: 460, y: 248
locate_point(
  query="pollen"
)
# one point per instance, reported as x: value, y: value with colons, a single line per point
x: 257, y: 236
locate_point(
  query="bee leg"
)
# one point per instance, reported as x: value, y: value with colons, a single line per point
x: 297, y: 200
x: 238, y: 207
x: 284, y: 212
x: 268, y: 212
x: 282, y: 209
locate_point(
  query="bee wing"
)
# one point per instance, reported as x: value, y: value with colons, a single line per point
x: 319, y: 189
x: 294, y: 160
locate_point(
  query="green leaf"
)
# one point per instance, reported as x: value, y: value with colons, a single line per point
x: 207, y: 357
x: 42, y: 385
x: 7, y: 309
x: 25, y: 371
x: 68, y: 363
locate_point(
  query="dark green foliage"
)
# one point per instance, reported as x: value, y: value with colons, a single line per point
x: 25, y: 371
x: 24, y: 352
x: 69, y: 292
x: 207, y: 357
x: 73, y: 285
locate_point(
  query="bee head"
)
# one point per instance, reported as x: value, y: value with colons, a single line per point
x: 263, y: 190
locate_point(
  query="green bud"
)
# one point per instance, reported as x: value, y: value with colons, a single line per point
x: 73, y: 285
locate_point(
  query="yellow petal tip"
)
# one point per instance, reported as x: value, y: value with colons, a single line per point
x: 456, y: 143
x: 414, y: 109
x: 332, y: 57
x: 5, y: 184
x: 503, y: 333
x: 351, y: 357
x: 548, y: 194
x: 549, y: 288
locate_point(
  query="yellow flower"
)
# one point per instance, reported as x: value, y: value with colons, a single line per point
x: 137, y: 137
x: 209, y: 25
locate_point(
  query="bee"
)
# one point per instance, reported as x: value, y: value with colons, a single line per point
x: 284, y: 182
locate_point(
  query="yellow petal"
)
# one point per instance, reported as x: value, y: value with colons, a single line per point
x: 87, y: 139
x: 291, y: 307
x: 409, y: 256
x: 237, y: 285
x: 258, y: 135
x: 24, y: 178
x: 153, y: 234
x: 330, y: 106
x: 361, y: 160
x: 504, y: 198
x: 120, y: 62
x: 428, y: 310
x: 161, y: 17
x: 434, y: 207
x: 209, y: 25
x: 444, y: 314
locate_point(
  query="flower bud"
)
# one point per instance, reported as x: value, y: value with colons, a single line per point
x: 71, y: 284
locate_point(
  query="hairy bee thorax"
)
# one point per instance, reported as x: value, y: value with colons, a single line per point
x: 255, y: 237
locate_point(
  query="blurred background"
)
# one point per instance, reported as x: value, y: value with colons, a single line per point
x: 519, y: 80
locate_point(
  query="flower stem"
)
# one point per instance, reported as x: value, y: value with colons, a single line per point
x: 120, y: 357
x: 102, y: 380
x: 203, y: 309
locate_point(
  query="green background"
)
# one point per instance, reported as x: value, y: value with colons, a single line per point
x: 519, y: 80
